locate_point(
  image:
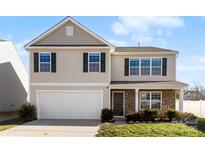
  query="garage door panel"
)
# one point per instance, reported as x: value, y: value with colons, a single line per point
x: 70, y: 105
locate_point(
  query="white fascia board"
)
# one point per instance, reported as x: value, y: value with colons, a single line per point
x: 68, y: 84
x: 133, y: 86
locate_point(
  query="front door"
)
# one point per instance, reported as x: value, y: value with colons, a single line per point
x: 118, y: 103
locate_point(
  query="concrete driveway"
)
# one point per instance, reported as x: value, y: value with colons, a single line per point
x: 55, y: 128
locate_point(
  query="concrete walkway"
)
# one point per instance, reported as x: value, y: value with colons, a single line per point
x: 55, y: 128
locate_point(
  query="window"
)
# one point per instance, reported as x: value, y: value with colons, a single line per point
x: 150, y: 100
x: 69, y: 30
x: 134, y: 67
x: 45, y: 62
x: 145, y: 66
x: 156, y: 66
x: 94, y: 62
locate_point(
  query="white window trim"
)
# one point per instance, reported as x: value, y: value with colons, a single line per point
x: 39, y: 61
x: 156, y: 67
x: 145, y: 67
x: 150, y: 101
x: 94, y: 62
x: 134, y: 67
x: 140, y: 67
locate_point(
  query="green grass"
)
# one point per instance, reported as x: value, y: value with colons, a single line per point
x: 201, y: 124
x: 152, y: 130
x: 9, y: 124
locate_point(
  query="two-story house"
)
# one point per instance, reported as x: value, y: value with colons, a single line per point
x: 75, y: 73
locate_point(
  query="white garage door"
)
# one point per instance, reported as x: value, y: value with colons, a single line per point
x: 69, y: 104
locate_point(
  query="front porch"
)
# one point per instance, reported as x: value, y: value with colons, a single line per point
x: 132, y: 97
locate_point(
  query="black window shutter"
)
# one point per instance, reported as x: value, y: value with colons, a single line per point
x: 85, y: 62
x: 53, y: 62
x: 164, y: 66
x: 103, y: 59
x: 126, y: 67
x: 36, y: 64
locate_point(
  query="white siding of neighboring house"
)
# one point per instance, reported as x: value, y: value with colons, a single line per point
x: 13, y: 78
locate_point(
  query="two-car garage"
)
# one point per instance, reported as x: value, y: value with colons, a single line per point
x: 69, y: 104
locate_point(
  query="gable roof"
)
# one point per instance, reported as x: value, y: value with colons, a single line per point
x: 142, y: 49
x: 55, y: 27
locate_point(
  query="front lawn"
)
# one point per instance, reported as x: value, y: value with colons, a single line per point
x: 201, y: 124
x: 150, y: 130
x: 9, y: 124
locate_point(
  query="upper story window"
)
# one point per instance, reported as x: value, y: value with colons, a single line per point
x: 145, y: 66
x: 94, y: 62
x: 69, y: 30
x: 156, y: 66
x: 150, y: 100
x: 45, y: 62
x: 134, y: 66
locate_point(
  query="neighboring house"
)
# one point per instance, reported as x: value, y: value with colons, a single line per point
x: 13, y: 78
x: 193, y: 95
x: 75, y: 73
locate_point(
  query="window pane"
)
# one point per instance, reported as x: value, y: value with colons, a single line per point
x: 145, y: 62
x: 156, y: 71
x: 94, y: 57
x: 156, y: 96
x: 134, y: 71
x: 44, y: 57
x: 94, y: 67
x: 155, y: 104
x: 145, y: 71
x: 44, y: 67
x: 145, y: 104
x: 134, y: 62
x: 145, y: 96
x: 156, y: 62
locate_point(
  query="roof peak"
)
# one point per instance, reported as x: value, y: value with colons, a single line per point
x: 59, y: 24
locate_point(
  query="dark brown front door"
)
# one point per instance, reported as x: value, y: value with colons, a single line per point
x: 118, y: 99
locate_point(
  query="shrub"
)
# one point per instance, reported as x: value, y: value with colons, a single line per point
x: 172, y: 114
x: 150, y: 114
x: 187, y: 117
x: 135, y: 116
x: 106, y: 115
x: 162, y: 114
x: 27, y: 112
x: 141, y: 115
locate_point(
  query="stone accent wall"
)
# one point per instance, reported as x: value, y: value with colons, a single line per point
x: 168, y: 99
x: 129, y: 99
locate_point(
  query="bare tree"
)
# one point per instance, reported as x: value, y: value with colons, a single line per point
x: 199, y: 91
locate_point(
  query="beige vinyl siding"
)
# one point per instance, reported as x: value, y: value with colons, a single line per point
x: 105, y: 90
x: 59, y: 37
x: 117, y: 67
x: 69, y: 69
